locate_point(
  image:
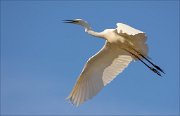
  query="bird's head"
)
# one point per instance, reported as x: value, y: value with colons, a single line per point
x: 78, y: 22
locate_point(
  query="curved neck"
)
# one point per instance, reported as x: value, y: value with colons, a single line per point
x: 96, y: 34
x: 90, y: 31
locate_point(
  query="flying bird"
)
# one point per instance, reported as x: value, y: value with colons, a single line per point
x: 122, y: 45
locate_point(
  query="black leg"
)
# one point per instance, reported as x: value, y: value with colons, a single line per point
x: 157, y: 67
x: 151, y: 68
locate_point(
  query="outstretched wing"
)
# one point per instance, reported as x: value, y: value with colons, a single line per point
x: 123, y: 28
x: 100, y: 70
x: 137, y: 36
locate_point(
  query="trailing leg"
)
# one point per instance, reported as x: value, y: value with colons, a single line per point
x: 151, y: 68
x: 157, y: 67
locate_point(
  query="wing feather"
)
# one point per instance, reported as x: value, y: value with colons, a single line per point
x: 123, y: 28
x: 135, y: 35
x: 100, y: 70
x: 76, y: 100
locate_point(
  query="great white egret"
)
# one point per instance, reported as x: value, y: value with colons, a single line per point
x: 122, y: 45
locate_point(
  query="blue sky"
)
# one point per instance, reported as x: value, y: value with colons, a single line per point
x: 41, y: 57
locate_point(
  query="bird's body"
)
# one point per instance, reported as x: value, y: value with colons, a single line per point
x: 123, y: 45
x: 121, y: 38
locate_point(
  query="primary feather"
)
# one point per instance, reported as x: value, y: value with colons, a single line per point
x: 100, y: 70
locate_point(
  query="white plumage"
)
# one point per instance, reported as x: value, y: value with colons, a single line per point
x: 123, y: 28
x: 122, y: 45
